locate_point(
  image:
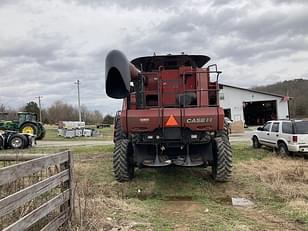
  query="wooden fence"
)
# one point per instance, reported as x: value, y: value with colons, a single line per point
x: 59, y: 182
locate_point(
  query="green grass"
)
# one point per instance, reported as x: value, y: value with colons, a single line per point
x: 243, y: 151
x: 99, y: 149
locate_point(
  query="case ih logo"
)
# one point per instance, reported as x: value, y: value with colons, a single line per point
x: 199, y: 120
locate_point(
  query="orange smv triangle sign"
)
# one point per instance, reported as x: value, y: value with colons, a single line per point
x: 171, y: 121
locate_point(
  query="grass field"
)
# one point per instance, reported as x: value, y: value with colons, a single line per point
x: 187, y: 198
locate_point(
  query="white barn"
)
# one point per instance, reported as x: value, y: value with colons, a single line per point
x: 252, y: 107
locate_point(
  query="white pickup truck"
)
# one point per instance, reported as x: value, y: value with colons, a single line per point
x: 286, y: 136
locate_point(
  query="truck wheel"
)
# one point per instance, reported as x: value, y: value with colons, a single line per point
x: 123, y: 167
x: 29, y: 129
x: 118, y: 133
x: 255, y: 142
x: 283, y: 149
x: 17, y: 141
x: 222, y: 166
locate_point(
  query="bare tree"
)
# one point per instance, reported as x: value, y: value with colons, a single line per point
x: 60, y: 111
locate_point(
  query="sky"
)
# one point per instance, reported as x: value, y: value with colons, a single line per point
x: 46, y: 45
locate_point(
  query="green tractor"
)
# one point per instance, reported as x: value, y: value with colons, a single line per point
x: 27, y: 123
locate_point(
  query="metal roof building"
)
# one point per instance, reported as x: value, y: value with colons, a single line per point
x: 253, y: 107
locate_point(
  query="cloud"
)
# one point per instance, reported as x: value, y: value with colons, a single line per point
x: 33, y: 51
x: 48, y: 45
x: 130, y: 4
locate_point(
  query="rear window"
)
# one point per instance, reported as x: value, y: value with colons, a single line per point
x: 287, y: 127
x: 301, y: 127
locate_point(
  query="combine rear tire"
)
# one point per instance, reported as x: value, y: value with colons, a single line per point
x: 123, y: 167
x: 118, y: 133
x: 222, y: 166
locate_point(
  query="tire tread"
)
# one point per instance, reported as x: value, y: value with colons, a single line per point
x: 223, y: 168
x: 121, y: 165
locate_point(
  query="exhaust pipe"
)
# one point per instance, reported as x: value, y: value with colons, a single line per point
x: 118, y: 73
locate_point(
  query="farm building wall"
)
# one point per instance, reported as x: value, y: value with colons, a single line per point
x: 233, y: 98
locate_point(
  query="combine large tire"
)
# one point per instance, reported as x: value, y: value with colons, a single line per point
x: 123, y: 167
x: 222, y: 166
x: 118, y: 133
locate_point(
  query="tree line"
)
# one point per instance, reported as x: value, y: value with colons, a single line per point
x: 297, y: 90
x: 58, y: 111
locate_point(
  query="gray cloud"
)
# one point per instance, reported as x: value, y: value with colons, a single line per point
x: 167, y: 4
x: 51, y: 44
x: 289, y: 1
x: 38, y: 52
x: 236, y: 34
x: 8, y: 2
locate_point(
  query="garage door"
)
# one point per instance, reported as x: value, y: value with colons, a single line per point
x: 258, y: 112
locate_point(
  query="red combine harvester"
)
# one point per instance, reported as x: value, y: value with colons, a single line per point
x: 170, y: 114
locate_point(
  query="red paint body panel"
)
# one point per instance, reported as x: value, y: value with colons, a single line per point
x: 161, y: 93
x: 202, y: 88
x: 171, y: 86
x: 147, y: 120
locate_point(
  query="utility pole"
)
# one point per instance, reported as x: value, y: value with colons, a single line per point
x: 78, y: 92
x: 39, y: 101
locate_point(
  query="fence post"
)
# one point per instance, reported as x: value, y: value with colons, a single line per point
x: 71, y: 184
x: 64, y: 186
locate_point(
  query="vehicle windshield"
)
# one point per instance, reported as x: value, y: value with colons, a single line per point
x: 301, y: 127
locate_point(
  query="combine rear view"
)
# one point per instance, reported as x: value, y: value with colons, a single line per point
x: 170, y: 114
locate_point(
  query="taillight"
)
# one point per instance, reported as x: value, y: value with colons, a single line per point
x: 294, y: 139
